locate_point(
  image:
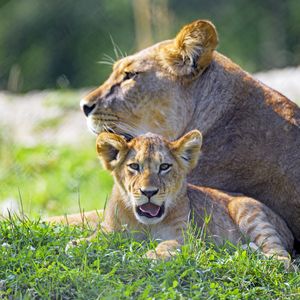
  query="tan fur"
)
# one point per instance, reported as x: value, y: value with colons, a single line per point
x: 251, y: 132
x: 231, y: 217
x: 90, y: 218
x: 241, y: 219
x: 193, y: 46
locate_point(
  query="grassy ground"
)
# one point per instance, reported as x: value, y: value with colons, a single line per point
x: 34, y: 265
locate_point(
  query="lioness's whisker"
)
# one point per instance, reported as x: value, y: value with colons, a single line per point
x: 107, y: 60
x: 132, y: 128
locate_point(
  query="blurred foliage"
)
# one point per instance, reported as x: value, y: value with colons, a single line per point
x: 48, y: 44
x: 52, y: 43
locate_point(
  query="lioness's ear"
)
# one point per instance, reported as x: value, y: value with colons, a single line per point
x: 187, y: 148
x: 111, y: 148
x: 191, y: 51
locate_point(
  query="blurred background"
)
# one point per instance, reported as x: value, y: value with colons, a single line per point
x: 53, y: 52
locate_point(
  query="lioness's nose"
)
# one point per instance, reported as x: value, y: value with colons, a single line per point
x: 149, y: 193
x: 87, y: 107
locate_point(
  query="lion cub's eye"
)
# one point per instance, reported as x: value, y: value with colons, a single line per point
x: 164, y: 167
x: 130, y: 75
x: 134, y: 166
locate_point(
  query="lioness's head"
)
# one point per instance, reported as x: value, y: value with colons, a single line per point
x: 149, y: 91
x: 149, y: 170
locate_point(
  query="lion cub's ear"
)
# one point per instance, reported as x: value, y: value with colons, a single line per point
x: 187, y: 149
x: 112, y: 149
x: 191, y: 51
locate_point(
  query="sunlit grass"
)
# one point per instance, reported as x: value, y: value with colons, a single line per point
x: 34, y: 265
x: 52, y: 179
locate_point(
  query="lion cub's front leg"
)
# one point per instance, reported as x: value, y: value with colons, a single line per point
x: 172, y: 240
x: 164, y: 250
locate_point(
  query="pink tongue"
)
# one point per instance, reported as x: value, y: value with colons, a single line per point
x: 150, y: 209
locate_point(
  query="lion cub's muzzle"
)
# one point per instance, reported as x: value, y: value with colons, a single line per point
x: 150, y: 209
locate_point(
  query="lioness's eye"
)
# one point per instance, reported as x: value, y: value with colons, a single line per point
x: 134, y: 166
x: 130, y: 75
x: 164, y: 167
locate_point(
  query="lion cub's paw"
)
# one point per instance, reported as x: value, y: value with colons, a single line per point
x: 163, y: 255
x: 165, y: 250
x: 285, y: 260
x: 151, y: 254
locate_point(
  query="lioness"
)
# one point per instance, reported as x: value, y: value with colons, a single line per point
x: 151, y: 195
x: 252, y: 133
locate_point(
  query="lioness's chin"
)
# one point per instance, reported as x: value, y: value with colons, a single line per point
x: 147, y: 218
x: 97, y: 129
x: 92, y: 126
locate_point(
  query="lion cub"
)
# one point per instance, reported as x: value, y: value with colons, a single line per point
x: 151, y: 195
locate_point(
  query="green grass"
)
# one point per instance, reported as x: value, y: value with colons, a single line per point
x: 34, y: 265
x: 51, y: 179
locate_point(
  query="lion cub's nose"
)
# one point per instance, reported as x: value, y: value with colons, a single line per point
x: 149, y: 193
x: 87, y: 107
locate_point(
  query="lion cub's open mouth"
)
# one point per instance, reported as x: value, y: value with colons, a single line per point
x: 150, y: 210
